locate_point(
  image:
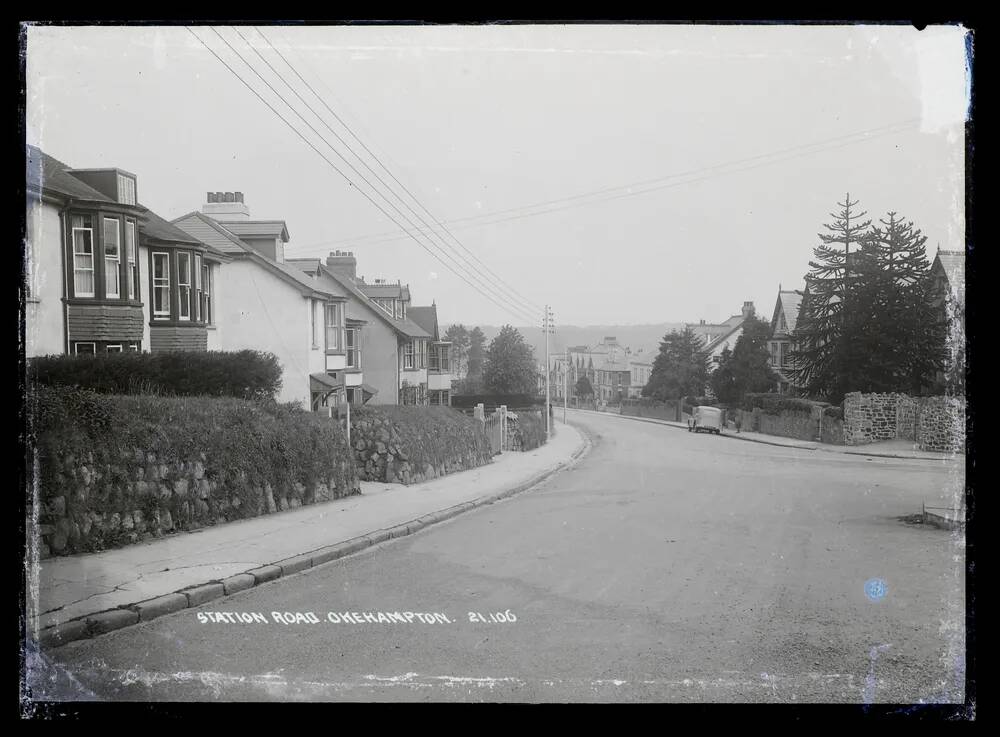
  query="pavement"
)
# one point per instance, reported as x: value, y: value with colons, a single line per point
x: 883, y: 449
x: 82, y: 595
x: 661, y: 566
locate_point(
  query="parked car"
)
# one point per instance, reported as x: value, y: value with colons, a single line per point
x: 705, y: 418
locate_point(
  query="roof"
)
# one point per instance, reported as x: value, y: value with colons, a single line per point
x: 163, y: 230
x: 209, y: 231
x: 789, y: 302
x: 406, y: 327
x: 716, y: 342
x: 953, y: 265
x: 426, y: 318
x: 397, y: 290
x: 323, y: 382
x: 51, y: 176
x: 257, y: 228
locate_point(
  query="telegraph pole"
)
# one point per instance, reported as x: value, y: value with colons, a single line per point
x: 565, y: 386
x: 547, y: 328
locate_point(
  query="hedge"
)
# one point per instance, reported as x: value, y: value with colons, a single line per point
x: 116, y: 469
x: 491, y: 401
x: 528, y: 430
x: 242, y: 374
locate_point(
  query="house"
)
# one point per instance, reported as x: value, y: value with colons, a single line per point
x: 405, y: 363
x: 103, y: 273
x: 711, y: 332
x: 613, y: 370
x: 269, y: 305
x: 720, y: 341
x: 640, y: 368
x: 783, y: 320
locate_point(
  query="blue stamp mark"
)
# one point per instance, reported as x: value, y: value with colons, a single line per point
x: 875, y: 589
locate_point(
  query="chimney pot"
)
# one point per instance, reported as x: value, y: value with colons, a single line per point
x: 230, y: 197
x: 211, y: 197
x: 239, y: 197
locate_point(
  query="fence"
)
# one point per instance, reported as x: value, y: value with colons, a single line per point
x: 493, y: 425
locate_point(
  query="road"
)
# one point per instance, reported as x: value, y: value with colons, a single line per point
x: 663, y: 566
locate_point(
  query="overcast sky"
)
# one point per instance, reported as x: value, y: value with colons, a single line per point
x: 751, y: 133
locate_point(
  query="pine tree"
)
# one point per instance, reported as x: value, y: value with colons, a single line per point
x: 830, y: 336
x: 680, y: 368
x: 908, y: 336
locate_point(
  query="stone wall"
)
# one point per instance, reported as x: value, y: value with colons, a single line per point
x: 933, y: 423
x: 116, y: 470
x: 409, y: 445
x: 658, y: 411
x: 942, y: 424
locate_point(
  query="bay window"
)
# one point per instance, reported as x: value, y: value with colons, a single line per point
x: 206, y: 294
x: 353, y: 349
x: 112, y: 258
x: 83, y: 255
x: 183, y: 285
x: 133, y: 263
x: 197, y: 286
x: 334, y: 326
x: 408, y: 355
x: 161, y: 285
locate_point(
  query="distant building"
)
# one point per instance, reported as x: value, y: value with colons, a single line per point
x: 781, y: 343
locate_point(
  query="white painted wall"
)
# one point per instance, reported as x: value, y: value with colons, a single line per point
x: 43, y: 319
x: 258, y: 310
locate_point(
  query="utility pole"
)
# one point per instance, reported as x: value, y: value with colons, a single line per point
x: 565, y: 386
x: 547, y: 328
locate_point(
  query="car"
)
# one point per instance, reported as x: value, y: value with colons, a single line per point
x: 705, y: 418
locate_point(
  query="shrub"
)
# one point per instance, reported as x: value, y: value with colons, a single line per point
x: 528, y: 430
x: 834, y: 412
x: 242, y: 374
x: 114, y: 469
x: 492, y: 401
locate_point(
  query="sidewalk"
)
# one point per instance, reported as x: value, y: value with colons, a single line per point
x: 81, y: 595
x: 884, y: 449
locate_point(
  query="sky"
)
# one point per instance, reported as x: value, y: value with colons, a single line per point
x: 688, y: 168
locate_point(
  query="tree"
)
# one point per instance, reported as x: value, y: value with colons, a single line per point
x: 722, y: 380
x: 831, y: 335
x: 748, y: 365
x: 680, y: 369
x: 459, y: 338
x: 907, y: 335
x: 472, y: 383
x: 509, y: 364
x: 583, y: 388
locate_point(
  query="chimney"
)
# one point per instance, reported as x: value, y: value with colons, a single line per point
x: 225, y: 206
x: 343, y: 263
x: 748, y: 310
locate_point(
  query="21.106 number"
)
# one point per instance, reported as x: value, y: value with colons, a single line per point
x: 507, y: 616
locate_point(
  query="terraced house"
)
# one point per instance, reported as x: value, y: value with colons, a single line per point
x: 106, y: 274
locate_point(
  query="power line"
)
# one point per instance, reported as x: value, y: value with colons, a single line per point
x: 413, y: 197
x: 472, y: 272
x: 819, y: 147
x: 505, y: 307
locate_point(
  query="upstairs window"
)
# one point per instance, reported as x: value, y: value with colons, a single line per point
x: 133, y: 263
x: 83, y: 255
x: 126, y: 190
x: 353, y: 349
x: 161, y: 286
x: 112, y: 258
x: 183, y: 285
x: 334, y: 326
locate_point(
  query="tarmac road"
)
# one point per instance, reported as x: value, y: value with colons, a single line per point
x: 663, y: 566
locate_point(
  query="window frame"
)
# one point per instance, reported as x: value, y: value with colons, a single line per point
x: 181, y: 286
x: 335, y: 328
x: 352, y: 347
x: 196, y: 302
x: 408, y: 352
x: 92, y: 255
x: 78, y: 343
x: 154, y: 313
x: 132, y: 256
x: 208, y: 293
x: 112, y: 266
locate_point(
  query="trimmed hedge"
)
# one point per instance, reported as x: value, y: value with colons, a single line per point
x: 492, y: 401
x: 242, y: 374
x: 114, y: 470
x: 411, y: 444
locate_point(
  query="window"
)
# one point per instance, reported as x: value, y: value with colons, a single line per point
x: 197, y: 287
x: 408, y: 355
x: 183, y: 285
x: 133, y: 263
x: 774, y: 354
x: 85, y: 349
x: 386, y: 305
x: 112, y: 258
x: 114, y: 348
x: 353, y: 349
x: 126, y: 190
x: 161, y: 285
x: 312, y: 323
x: 206, y: 294
x: 133, y: 347
x: 83, y: 256
x: 783, y: 354
x: 334, y: 326
x: 398, y: 309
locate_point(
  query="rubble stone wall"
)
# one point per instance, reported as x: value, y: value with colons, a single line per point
x: 933, y: 423
x: 942, y: 424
